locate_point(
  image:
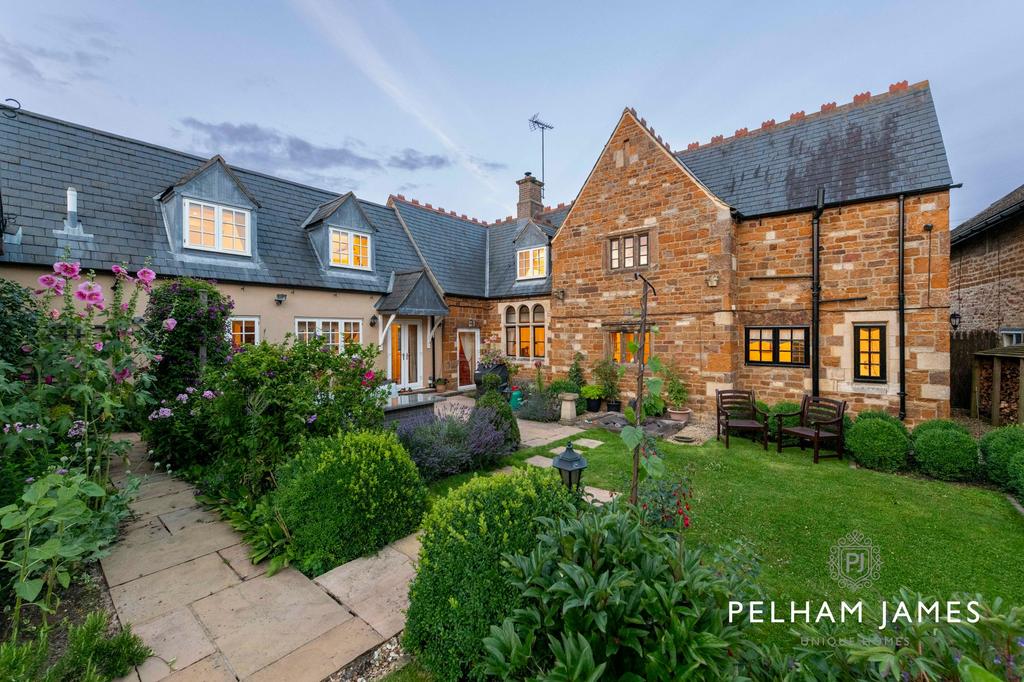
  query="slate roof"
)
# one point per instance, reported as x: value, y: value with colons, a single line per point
x: 454, y: 248
x: 503, y: 263
x: 118, y: 179
x: 887, y: 145
x: 993, y: 216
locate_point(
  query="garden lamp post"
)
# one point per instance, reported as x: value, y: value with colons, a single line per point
x: 570, y: 465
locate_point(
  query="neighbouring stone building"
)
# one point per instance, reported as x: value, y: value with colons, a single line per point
x: 986, y: 294
x: 724, y: 231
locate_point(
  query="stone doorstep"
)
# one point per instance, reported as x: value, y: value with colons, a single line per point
x: 125, y: 564
x: 323, y: 656
x: 257, y: 622
x: 176, y: 636
x: 144, y: 599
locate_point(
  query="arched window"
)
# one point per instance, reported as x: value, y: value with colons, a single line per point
x: 525, y: 331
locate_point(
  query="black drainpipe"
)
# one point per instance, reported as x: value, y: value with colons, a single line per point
x: 902, y: 315
x: 816, y: 288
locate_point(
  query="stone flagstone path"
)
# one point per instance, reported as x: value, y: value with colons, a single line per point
x: 182, y: 579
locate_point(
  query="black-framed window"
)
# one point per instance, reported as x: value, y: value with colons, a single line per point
x: 869, y: 352
x: 785, y: 346
x: 629, y: 251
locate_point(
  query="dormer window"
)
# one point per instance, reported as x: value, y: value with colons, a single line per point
x: 210, y: 227
x: 350, y: 249
x: 533, y: 262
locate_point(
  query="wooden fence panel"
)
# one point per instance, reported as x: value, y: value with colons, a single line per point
x: 962, y: 347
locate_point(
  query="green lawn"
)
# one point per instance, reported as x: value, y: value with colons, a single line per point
x: 936, y: 538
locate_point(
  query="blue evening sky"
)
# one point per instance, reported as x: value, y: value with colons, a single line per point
x: 431, y: 99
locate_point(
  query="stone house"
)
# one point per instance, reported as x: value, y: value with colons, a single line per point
x: 726, y: 234
x: 986, y: 287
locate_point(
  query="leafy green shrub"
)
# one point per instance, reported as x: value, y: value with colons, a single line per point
x: 948, y: 454
x: 607, y: 373
x: 592, y: 392
x: 504, y: 419
x: 540, y: 406
x: 886, y: 417
x: 180, y: 431
x: 784, y: 407
x: 576, y: 371
x: 91, y: 655
x: 997, y: 447
x: 346, y: 496
x: 201, y: 313
x: 460, y: 587
x: 1016, y: 470
x: 602, y: 597
x: 271, y: 397
x: 935, y: 425
x: 18, y: 322
x: 878, y: 443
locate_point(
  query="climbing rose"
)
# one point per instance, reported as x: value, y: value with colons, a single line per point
x: 158, y: 357
x: 170, y: 323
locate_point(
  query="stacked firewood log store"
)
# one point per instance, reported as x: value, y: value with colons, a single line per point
x: 995, y: 385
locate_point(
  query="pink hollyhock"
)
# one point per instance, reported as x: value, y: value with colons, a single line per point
x: 146, y: 275
x: 170, y: 323
x: 98, y: 346
x: 120, y: 375
x: 158, y: 357
x: 90, y: 292
x: 54, y: 314
x: 118, y: 270
x: 47, y: 281
x: 124, y: 307
x: 69, y: 270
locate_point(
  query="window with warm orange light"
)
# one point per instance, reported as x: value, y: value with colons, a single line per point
x: 244, y: 331
x: 777, y: 346
x: 350, y: 249
x: 869, y: 352
x: 525, y: 331
x: 532, y: 263
x: 621, y: 346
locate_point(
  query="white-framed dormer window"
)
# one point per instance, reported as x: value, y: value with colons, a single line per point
x: 532, y: 262
x: 350, y: 249
x: 211, y: 227
x: 334, y: 332
x: 243, y: 331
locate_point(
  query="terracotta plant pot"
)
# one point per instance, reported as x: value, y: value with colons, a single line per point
x: 682, y: 414
x: 441, y: 388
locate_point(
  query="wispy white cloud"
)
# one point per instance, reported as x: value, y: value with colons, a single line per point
x: 344, y: 31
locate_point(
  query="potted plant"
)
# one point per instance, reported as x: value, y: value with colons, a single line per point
x: 440, y: 384
x: 492, y: 361
x: 608, y: 373
x: 593, y: 394
x: 676, y: 395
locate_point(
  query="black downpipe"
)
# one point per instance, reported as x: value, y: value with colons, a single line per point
x: 819, y: 208
x: 902, y: 315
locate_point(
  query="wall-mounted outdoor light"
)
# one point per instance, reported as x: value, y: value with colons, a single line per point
x: 373, y: 320
x: 280, y: 298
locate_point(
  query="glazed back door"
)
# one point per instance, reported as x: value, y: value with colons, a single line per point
x: 404, y: 348
x: 468, y: 347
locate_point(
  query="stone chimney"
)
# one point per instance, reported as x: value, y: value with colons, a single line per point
x: 530, y: 203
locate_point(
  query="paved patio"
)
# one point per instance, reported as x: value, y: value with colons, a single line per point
x: 531, y: 433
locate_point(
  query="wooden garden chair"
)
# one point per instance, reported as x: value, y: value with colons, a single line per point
x: 821, y: 419
x: 738, y: 410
